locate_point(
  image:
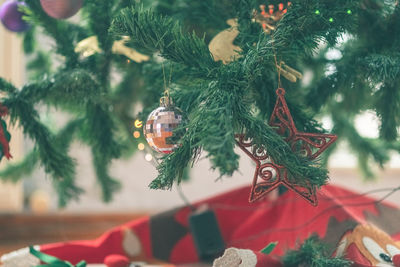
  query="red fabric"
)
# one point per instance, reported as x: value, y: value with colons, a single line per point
x: 355, y: 255
x: 95, y: 251
x: 396, y: 260
x: 3, y: 140
x: 288, y: 220
x: 184, y: 251
x: 115, y: 260
x: 4, y: 143
x: 264, y: 260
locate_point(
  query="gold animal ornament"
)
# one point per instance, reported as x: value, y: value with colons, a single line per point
x: 90, y: 46
x: 222, y: 47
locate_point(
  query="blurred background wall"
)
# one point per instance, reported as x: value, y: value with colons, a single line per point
x: 12, y: 68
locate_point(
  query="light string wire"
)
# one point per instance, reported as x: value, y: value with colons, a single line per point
x: 227, y: 207
x: 318, y: 215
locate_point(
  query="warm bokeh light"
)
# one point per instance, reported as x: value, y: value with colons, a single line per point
x: 136, y: 134
x: 148, y: 157
x: 138, y: 123
x: 140, y: 146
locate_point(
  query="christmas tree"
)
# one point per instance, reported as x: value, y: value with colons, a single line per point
x: 123, y: 54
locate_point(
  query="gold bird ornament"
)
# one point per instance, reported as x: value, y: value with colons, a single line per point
x: 90, y: 46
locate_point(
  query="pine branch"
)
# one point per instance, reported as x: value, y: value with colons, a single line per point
x: 172, y: 166
x: 55, y: 161
x: 16, y: 171
x: 67, y: 88
x: 100, y: 17
x: 99, y: 134
x: 7, y: 87
x: 387, y: 102
x: 366, y: 148
x: 156, y: 33
x: 63, y: 33
x: 108, y: 184
x: 313, y: 253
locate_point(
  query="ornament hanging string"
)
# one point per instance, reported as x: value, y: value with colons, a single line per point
x: 278, y: 67
x: 166, y: 100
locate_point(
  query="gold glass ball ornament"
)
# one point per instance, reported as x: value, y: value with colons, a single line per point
x: 160, y: 125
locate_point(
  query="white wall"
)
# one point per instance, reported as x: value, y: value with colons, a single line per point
x: 11, y: 68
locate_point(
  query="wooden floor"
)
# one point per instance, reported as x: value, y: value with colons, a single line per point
x: 17, y: 231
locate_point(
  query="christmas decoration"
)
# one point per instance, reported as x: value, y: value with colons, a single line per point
x: 160, y: 125
x: 222, y: 47
x: 138, y: 123
x: 116, y: 260
x: 5, y: 136
x: 167, y: 236
x: 269, y: 175
x: 11, y: 16
x: 269, y: 19
x: 206, y: 234
x: 234, y: 257
x: 90, y: 46
x: 61, y: 9
x: 119, y: 47
x: 368, y: 245
x: 103, y: 89
x: 289, y: 73
x: 53, y: 261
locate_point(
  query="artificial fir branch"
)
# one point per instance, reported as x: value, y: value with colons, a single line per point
x: 387, y: 101
x: 101, y: 165
x: 313, y: 253
x: 219, y: 103
x: 55, y: 161
x: 156, y: 33
x: 220, y: 100
x: 18, y: 170
x: 64, y: 33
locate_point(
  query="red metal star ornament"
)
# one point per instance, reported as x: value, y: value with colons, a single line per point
x: 269, y: 175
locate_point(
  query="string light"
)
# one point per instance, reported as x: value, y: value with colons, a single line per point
x: 136, y: 134
x: 138, y: 123
x: 148, y: 157
x: 317, y: 12
x: 140, y: 146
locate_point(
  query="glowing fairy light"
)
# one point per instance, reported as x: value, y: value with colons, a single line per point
x: 138, y: 123
x: 136, y: 134
x: 148, y: 157
x: 140, y: 146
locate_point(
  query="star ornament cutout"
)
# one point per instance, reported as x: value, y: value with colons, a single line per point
x: 269, y: 175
